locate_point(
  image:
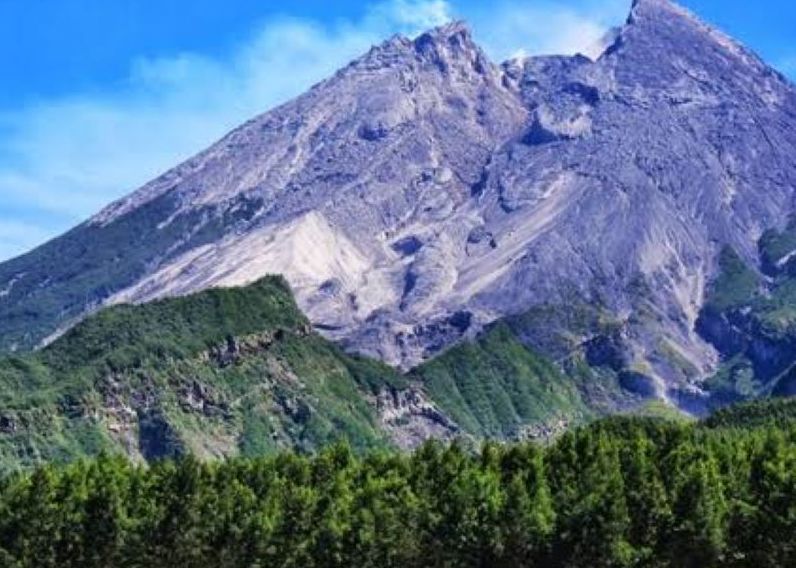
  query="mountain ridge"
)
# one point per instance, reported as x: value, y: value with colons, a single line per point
x: 423, y: 193
x: 239, y: 371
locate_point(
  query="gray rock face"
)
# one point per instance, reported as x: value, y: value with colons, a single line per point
x: 424, y: 191
x: 410, y: 419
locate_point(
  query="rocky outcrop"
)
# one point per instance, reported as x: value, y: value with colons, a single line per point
x: 544, y: 432
x: 410, y: 418
x: 741, y: 333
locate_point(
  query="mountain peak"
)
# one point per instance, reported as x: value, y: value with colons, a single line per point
x: 672, y: 33
x: 454, y: 37
x: 647, y: 3
x: 451, y: 46
x: 656, y: 9
x: 452, y: 31
x: 440, y: 45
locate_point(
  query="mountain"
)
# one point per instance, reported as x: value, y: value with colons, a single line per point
x: 424, y: 194
x: 239, y: 371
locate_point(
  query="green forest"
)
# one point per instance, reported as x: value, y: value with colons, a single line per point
x: 625, y: 491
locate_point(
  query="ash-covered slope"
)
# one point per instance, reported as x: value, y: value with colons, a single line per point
x: 320, y: 189
x: 424, y: 191
x: 674, y: 144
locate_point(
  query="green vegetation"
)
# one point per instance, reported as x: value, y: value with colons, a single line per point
x: 735, y: 381
x: 754, y: 329
x: 775, y: 315
x: 220, y: 373
x: 768, y: 412
x: 735, y: 285
x: 661, y: 410
x: 558, y: 329
x: 774, y: 246
x: 494, y: 386
x: 124, y: 336
x: 238, y: 371
x: 62, y: 279
x: 625, y: 492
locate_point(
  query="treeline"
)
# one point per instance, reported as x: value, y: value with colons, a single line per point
x: 624, y: 492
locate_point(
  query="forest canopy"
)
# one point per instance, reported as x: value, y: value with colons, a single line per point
x: 621, y: 492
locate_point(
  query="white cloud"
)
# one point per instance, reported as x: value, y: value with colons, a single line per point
x: 514, y: 28
x: 69, y: 157
x: 413, y: 16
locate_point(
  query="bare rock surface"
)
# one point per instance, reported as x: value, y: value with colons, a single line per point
x: 410, y: 418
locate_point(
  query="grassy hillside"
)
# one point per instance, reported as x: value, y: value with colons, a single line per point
x: 231, y: 372
x: 494, y: 387
x: 240, y: 372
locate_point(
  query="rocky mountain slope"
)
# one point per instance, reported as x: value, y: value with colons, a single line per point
x: 424, y: 192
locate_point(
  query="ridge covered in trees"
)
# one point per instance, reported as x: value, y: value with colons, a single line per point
x: 621, y: 492
x: 239, y: 372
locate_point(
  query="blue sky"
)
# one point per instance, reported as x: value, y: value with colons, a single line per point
x: 98, y: 96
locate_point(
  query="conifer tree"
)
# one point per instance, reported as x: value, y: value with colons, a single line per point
x: 773, y: 484
x: 595, y: 532
x: 528, y: 516
x: 647, y: 501
x: 699, y: 538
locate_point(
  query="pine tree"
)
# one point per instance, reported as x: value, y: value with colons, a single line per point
x: 528, y: 516
x: 647, y: 501
x: 773, y: 485
x: 105, y: 516
x: 40, y: 520
x: 698, y: 539
x: 595, y: 533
